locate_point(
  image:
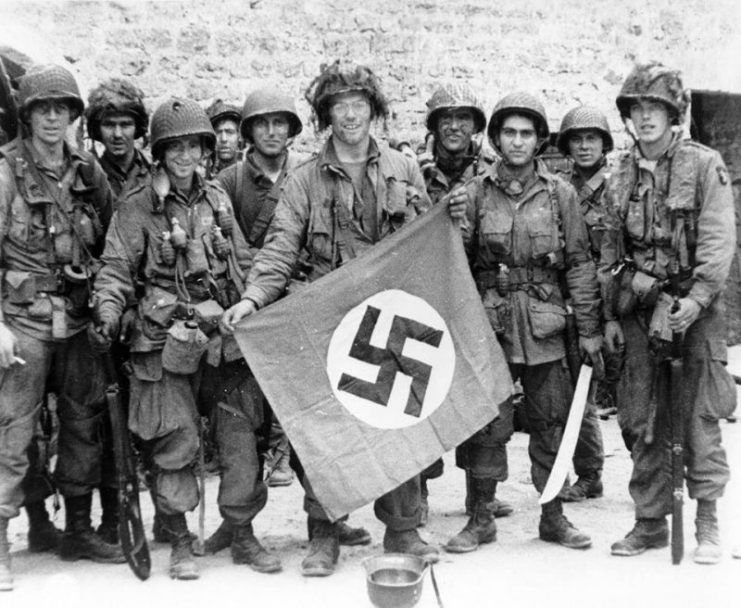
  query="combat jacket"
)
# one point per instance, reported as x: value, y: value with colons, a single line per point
x: 138, y: 174
x: 254, y: 195
x: 673, y: 213
x: 438, y: 184
x: 589, y: 193
x: 52, y: 229
x: 173, y: 288
x: 318, y: 214
x: 539, y: 242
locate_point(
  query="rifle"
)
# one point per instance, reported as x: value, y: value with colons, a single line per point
x: 130, y: 525
x: 676, y: 416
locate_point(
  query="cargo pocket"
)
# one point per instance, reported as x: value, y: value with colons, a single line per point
x: 720, y: 399
x: 546, y: 319
x: 320, y: 233
x: 498, y: 312
x: 496, y: 230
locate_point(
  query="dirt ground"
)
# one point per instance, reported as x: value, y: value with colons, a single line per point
x: 516, y: 570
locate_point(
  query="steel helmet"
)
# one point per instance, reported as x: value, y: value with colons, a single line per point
x: 450, y: 96
x: 339, y: 78
x: 518, y: 103
x: 116, y: 96
x: 268, y: 101
x: 654, y: 81
x: 49, y: 82
x: 178, y: 117
x: 220, y: 110
x: 581, y: 118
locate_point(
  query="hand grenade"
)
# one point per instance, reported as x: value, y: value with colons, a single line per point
x: 225, y: 219
x: 168, y: 251
x: 220, y: 243
x: 178, y: 236
x: 501, y: 281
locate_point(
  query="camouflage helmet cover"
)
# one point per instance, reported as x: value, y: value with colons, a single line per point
x: 654, y: 81
x: 451, y: 96
x: 340, y: 77
x: 116, y: 96
x: 221, y: 110
x: 178, y: 117
x: 267, y: 101
x: 518, y: 103
x: 582, y: 118
x: 49, y: 82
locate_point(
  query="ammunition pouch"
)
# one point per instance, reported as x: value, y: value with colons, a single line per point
x: 547, y: 319
x: 497, y: 310
x: 22, y: 287
x: 520, y: 278
x: 207, y: 315
x: 184, y: 348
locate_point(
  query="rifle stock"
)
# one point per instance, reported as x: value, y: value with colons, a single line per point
x: 130, y: 525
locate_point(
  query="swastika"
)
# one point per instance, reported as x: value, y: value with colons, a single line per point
x: 391, y: 361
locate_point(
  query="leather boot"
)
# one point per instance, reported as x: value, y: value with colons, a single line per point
x: 108, y: 528
x: 324, y: 548
x: 409, y: 541
x: 349, y: 536
x: 79, y: 540
x: 282, y: 474
x: 706, y: 532
x: 182, y: 565
x: 555, y: 528
x: 219, y: 540
x: 6, y: 577
x: 587, y: 486
x: 42, y: 534
x: 499, y: 508
x: 246, y: 549
x: 481, y: 527
x: 646, y: 534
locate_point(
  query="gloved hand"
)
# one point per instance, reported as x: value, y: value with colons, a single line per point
x: 592, y: 347
x: 101, y: 336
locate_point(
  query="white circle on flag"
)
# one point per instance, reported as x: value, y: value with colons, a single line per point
x: 391, y: 360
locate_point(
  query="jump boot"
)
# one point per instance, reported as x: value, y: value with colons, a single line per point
x: 499, y: 508
x: 350, y: 536
x: 221, y: 539
x: 587, y: 486
x: 706, y: 532
x: 246, y: 549
x: 79, y: 540
x: 6, y: 578
x: 42, y: 534
x: 555, y: 528
x: 282, y: 474
x: 182, y: 565
x: 409, y: 541
x: 646, y: 534
x: 108, y: 528
x: 481, y: 527
x: 324, y: 548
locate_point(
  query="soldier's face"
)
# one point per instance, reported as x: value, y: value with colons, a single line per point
x: 117, y: 134
x: 586, y: 147
x: 270, y: 134
x: 182, y: 156
x: 350, y: 117
x: 517, y: 140
x: 455, y: 129
x: 49, y: 120
x: 227, y: 139
x: 651, y: 120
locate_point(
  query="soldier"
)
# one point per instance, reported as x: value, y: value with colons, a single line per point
x: 376, y: 190
x: 526, y: 238
x: 225, y: 119
x: 453, y: 156
x: 116, y: 117
x: 585, y: 137
x: 55, y: 203
x: 179, y: 235
x: 672, y: 225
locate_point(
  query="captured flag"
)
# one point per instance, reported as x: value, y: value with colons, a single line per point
x: 383, y: 365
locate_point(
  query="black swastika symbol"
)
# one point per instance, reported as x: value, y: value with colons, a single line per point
x: 391, y: 361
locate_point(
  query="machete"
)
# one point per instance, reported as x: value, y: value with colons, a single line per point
x: 562, y: 464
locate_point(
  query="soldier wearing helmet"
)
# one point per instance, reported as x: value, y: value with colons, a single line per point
x: 348, y: 170
x: 453, y: 153
x: 116, y: 117
x: 526, y: 239
x: 585, y: 138
x: 225, y: 119
x: 55, y: 204
x: 179, y: 234
x: 670, y: 244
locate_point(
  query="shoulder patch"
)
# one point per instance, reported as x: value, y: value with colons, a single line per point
x: 722, y: 174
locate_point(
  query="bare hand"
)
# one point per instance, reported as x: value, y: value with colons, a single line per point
x: 235, y: 314
x: 687, y: 314
x: 592, y: 347
x: 614, y: 337
x: 457, y: 201
x: 8, y: 343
